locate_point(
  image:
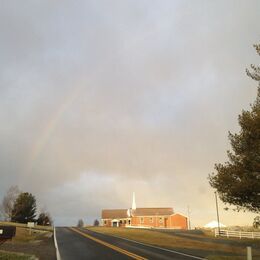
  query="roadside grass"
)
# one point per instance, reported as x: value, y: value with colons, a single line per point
x: 5, y: 255
x: 24, y: 235
x: 209, y: 234
x: 27, y: 242
x: 215, y: 257
x: 210, y: 249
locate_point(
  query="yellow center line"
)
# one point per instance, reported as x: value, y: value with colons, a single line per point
x: 134, y: 256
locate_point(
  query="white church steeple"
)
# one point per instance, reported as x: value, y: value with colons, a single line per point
x: 133, y: 202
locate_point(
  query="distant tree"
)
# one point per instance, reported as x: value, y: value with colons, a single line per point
x: 24, y: 209
x: 44, y: 219
x: 96, y: 223
x: 238, y: 180
x: 256, y: 223
x: 8, y: 201
x: 80, y: 223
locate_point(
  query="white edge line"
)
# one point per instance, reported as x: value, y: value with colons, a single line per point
x: 157, y: 247
x: 56, y: 245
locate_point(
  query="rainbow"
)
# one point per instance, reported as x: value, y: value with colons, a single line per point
x: 39, y: 145
x: 47, y: 131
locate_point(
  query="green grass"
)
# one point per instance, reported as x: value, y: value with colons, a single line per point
x: 4, y: 255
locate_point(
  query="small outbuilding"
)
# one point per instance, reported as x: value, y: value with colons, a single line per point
x: 214, y: 224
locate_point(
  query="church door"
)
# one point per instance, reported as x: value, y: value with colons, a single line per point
x: 166, y: 222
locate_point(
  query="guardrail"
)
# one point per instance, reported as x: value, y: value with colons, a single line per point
x: 239, y: 234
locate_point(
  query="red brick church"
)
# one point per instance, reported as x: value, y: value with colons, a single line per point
x: 143, y: 217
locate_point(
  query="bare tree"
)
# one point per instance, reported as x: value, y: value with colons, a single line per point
x: 80, y: 223
x: 8, y: 201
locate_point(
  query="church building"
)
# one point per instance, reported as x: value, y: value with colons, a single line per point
x: 143, y: 218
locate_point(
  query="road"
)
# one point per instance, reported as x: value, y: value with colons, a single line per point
x: 75, y: 243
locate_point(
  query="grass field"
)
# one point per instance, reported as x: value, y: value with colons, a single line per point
x: 203, y: 244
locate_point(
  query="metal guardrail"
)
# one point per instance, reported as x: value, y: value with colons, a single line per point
x: 238, y: 234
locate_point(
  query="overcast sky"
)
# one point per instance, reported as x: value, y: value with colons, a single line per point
x: 102, y: 98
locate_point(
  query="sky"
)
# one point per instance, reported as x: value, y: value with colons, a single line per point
x: 100, y: 99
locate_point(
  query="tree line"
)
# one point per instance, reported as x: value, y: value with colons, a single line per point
x: 81, y: 223
x: 20, y: 207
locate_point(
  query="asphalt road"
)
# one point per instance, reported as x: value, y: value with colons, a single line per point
x: 84, y: 244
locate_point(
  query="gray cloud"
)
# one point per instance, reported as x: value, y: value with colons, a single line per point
x: 98, y: 99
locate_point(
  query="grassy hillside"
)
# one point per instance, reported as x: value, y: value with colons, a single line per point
x: 203, y: 244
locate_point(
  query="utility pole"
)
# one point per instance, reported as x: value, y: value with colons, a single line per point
x: 189, y: 225
x: 217, y: 212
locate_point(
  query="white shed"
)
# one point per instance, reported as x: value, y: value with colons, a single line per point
x: 214, y: 224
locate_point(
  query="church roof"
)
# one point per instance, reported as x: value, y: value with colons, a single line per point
x: 114, y: 213
x: 122, y: 213
x: 152, y: 212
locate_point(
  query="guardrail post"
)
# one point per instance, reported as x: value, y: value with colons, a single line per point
x: 249, y: 252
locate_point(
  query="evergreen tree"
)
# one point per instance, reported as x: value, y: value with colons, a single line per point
x: 44, y: 219
x: 238, y: 180
x: 96, y: 223
x: 24, y: 209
